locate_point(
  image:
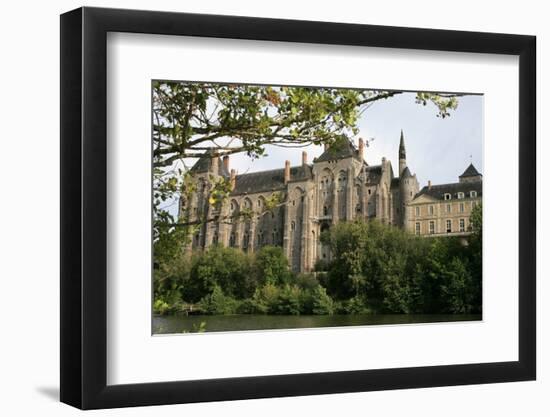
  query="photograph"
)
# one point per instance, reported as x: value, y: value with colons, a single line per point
x: 292, y: 207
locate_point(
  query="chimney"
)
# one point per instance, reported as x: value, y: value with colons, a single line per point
x: 304, y: 158
x: 429, y: 185
x: 361, y: 148
x: 226, y: 163
x: 287, y: 171
x: 232, y: 179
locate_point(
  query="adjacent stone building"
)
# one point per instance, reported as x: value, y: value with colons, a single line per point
x: 338, y: 186
x: 445, y: 209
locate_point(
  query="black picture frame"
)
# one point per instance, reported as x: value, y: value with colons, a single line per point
x: 84, y: 207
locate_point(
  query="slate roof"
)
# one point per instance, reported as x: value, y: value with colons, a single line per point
x: 342, y: 148
x: 395, y: 182
x: 372, y: 173
x: 471, y: 171
x: 203, y: 165
x: 438, y: 191
x: 264, y: 181
x: 406, y: 173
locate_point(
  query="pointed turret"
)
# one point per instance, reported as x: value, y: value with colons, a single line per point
x: 402, y: 154
x: 470, y: 175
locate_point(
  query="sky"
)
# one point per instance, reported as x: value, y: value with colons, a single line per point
x: 438, y: 149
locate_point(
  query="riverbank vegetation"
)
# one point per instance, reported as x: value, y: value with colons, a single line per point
x: 374, y: 268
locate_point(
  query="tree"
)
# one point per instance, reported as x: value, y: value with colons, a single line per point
x: 271, y: 266
x: 381, y: 268
x: 190, y: 119
x: 227, y: 268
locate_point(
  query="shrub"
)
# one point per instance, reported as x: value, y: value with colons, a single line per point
x: 306, y: 281
x: 289, y: 300
x: 355, y: 305
x: 218, y: 303
x: 266, y: 299
x: 322, y: 303
x: 227, y: 268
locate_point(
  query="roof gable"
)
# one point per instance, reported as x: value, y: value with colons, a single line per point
x: 471, y: 171
x: 340, y: 149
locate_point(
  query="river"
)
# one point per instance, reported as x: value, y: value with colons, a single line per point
x: 239, y: 322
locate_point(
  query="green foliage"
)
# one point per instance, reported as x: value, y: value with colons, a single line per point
x: 288, y: 301
x: 161, y: 307
x: 271, y: 266
x: 384, y: 269
x: 321, y: 302
x: 228, y: 268
x: 218, y: 303
x: 374, y: 268
x: 306, y: 281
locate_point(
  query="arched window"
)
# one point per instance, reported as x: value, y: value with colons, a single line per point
x: 325, y: 210
x: 293, y: 225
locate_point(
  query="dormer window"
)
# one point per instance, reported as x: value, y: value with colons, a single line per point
x: 447, y: 196
x: 473, y: 194
x: 460, y: 195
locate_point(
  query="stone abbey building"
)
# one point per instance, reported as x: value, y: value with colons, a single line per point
x: 338, y: 186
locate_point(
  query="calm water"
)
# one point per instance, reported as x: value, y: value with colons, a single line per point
x: 179, y: 324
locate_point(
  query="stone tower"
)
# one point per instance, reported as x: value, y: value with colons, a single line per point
x: 408, y: 184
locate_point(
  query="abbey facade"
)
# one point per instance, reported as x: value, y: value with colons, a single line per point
x: 338, y: 186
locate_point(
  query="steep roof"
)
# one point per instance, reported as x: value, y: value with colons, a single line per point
x: 372, y: 174
x: 204, y: 163
x: 340, y: 149
x: 438, y: 191
x: 406, y: 173
x: 471, y: 171
x: 263, y: 181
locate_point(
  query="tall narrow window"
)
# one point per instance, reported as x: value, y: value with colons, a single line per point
x: 462, y: 225
x: 432, y: 227
x: 431, y: 210
x: 417, y: 211
x: 462, y: 207
x: 449, y: 226
x: 417, y: 228
x: 449, y: 208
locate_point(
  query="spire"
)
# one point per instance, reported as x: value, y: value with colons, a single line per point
x: 402, y: 154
